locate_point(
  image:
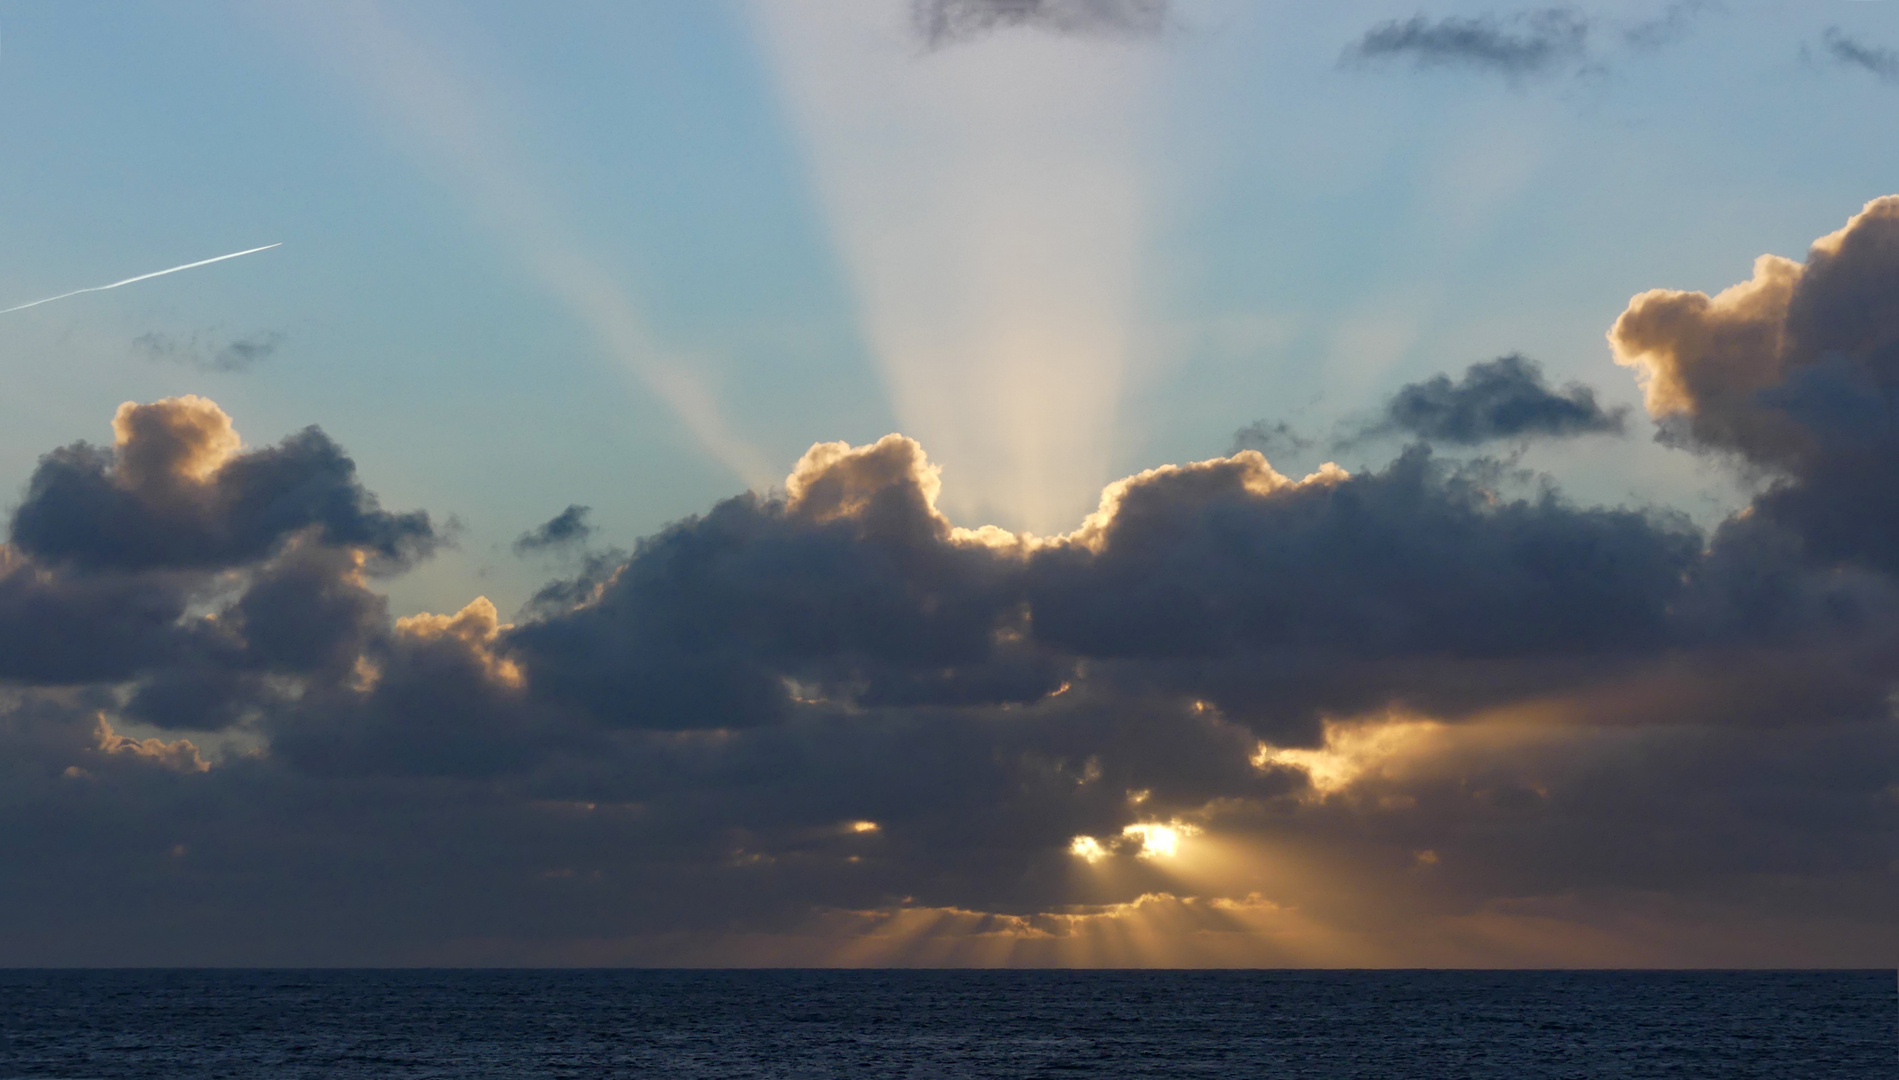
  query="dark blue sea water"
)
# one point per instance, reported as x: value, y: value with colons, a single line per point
x: 1373, y: 1025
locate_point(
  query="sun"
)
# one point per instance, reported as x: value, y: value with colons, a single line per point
x: 1147, y: 839
x: 1157, y: 841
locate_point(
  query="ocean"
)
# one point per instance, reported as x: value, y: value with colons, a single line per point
x: 1384, y: 1025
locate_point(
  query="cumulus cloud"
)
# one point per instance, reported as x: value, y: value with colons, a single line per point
x: 1848, y: 51
x: 60, y: 629
x: 111, y: 551
x: 1792, y: 372
x: 1397, y: 716
x: 209, y: 349
x: 1523, y: 43
x: 941, y: 23
x: 1505, y: 398
x: 175, y: 490
x: 564, y: 529
x: 852, y: 579
x: 1415, y: 585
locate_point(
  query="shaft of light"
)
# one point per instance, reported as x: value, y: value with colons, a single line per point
x: 988, y: 201
x: 141, y: 277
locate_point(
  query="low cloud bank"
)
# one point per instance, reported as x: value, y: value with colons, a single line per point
x: 1397, y: 716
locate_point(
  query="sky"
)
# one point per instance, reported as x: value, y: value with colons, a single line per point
x: 950, y: 482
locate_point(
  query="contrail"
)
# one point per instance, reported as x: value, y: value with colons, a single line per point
x: 141, y: 277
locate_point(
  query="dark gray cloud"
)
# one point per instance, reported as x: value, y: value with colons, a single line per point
x: 176, y: 492
x: 62, y: 630
x: 562, y: 530
x: 941, y: 23
x: 1413, y: 585
x: 112, y: 551
x: 1849, y: 51
x: 1505, y: 398
x: 1523, y: 43
x: 854, y: 579
x: 210, y: 350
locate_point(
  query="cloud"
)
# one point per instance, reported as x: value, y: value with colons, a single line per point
x: 1306, y: 683
x: 941, y: 23
x: 853, y: 583
x: 1505, y: 398
x: 1352, y: 593
x: 111, y: 550
x: 1524, y: 43
x: 1271, y: 438
x: 565, y: 528
x: 1849, y: 51
x: 63, y: 630
x: 1520, y: 44
x: 1791, y: 372
x: 1668, y: 27
x: 175, y: 491
x: 208, y: 350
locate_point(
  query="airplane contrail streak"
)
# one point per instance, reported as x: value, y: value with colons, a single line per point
x: 141, y: 277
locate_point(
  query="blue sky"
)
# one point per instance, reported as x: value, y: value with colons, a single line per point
x: 1311, y: 234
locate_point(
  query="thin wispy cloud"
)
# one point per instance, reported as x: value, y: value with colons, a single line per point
x: 1849, y: 51
x: 562, y: 530
x: 948, y: 22
x: 209, y: 350
x: 1521, y: 44
x: 1508, y: 399
x: 1526, y: 43
x: 1670, y: 26
x: 1505, y: 398
x: 140, y: 277
x: 1277, y: 439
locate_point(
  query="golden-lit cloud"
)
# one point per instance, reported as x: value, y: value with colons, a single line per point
x: 1352, y: 750
x: 836, y: 479
x: 1247, y: 471
x: 186, y: 438
x: 1689, y: 347
x: 1727, y: 364
x: 477, y: 626
x: 1157, y: 840
x: 180, y: 755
